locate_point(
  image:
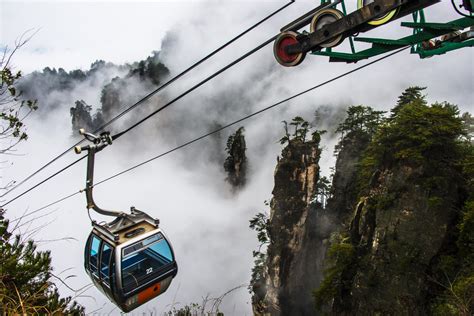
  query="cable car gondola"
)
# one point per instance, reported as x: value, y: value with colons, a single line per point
x: 129, y: 259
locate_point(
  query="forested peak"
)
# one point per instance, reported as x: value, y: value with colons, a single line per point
x: 114, y: 93
x: 150, y: 68
x: 413, y: 205
x: 395, y: 234
x: 418, y: 132
x: 75, y: 75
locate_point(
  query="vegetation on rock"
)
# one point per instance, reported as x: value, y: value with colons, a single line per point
x: 395, y: 233
x: 81, y: 117
x: 236, y: 162
x: 260, y: 223
x: 283, y: 270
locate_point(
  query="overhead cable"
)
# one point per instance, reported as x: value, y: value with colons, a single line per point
x: 229, y: 125
x: 235, y: 62
x: 149, y: 95
x: 116, y: 136
x: 43, y: 181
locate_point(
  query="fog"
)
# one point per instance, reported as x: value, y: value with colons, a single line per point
x: 207, y: 223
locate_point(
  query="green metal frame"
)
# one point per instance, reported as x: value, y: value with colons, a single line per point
x: 422, y: 31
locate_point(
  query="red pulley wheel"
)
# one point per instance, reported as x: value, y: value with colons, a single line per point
x: 284, y: 40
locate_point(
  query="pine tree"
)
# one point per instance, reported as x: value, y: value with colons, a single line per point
x: 411, y: 94
x: 361, y: 123
x: 25, y: 278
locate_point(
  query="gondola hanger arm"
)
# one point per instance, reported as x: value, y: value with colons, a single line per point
x: 98, y: 143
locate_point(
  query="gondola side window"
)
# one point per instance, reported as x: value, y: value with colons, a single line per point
x: 94, y: 255
x: 105, y: 263
x: 143, y: 260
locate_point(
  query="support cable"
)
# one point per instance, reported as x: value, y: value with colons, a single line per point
x: 116, y: 136
x: 229, y: 125
x: 223, y: 69
x: 128, y: 109
x: 45, y: 180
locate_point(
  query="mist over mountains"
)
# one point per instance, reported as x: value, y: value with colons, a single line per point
x: 187, y: 190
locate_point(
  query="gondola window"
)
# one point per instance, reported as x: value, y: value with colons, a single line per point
x: 104, y: 264
x: 94, y: 255
x: 141, y: 260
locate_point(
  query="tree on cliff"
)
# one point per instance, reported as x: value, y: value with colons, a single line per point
x: 411, y: 94
x: 151, y: 69
x: 25, y: 273
x: 360, y: 119
x: 468, y: 121
x: 260, y: 223
x: 301, y: 128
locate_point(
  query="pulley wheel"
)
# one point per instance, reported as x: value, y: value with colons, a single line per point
x: 325, y: 17
x: 283, y: 40
x: 381, y: 20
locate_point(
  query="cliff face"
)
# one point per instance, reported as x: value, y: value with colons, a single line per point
x: 398, y: 251
x: 300, y: 228
x: 397, y: 229
x: 344, y: 190
x: 291, y: 260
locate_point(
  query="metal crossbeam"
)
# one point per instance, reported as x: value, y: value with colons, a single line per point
x: 355, y: 22
x: 434, y: 26
x: 445, y: 47
x: 427, y: 32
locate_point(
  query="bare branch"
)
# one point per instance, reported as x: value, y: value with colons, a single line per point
x: 20, y: 42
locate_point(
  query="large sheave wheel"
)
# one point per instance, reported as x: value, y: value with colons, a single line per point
x: 283, y: 40
x: 325, y: 17
x: 381, y: 20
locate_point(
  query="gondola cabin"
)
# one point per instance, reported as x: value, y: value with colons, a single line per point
x: 130, y: 259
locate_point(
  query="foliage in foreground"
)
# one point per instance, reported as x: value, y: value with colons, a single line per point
x: 25, y: 278
x: 25, y: 273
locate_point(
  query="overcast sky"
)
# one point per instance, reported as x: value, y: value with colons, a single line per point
x: 207, y: 224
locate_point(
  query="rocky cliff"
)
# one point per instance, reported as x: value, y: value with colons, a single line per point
x: 297, y: 230
x: 391, y: 257
x: 290, y: 258
x: 393, y: 238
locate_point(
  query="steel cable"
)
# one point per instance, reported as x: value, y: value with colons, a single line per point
x: 229, y: 125
x: 128, y: 109
x: 146, y: 98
